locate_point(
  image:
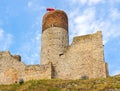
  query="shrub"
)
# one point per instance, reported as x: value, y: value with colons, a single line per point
x: 84, y: 77
x: 21, y: 81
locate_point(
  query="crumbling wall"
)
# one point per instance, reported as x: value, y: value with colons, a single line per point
x: 11, y: 69
x: 33, y: 72
x: 83, y: 58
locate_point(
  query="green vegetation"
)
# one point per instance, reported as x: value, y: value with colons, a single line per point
x: 101, y: 84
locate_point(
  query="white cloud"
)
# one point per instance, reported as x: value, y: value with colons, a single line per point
x: 5, y: 40
x: 80, y: 1
x: 88, y: 2
x: 115, y: 14
x: 81, y: 24
x: 35, y: 5
x: 29, y: 4
x: 94, y: 1
x: 84, y: 21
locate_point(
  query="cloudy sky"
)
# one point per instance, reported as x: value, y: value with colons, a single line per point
x: 20, y: 26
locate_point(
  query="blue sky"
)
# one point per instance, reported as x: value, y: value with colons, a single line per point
x: 20, y: 26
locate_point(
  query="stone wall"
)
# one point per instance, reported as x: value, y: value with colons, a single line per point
x: 83, y: 58
x: 35, y: 72
x: 106, y: 67
x: 11, y: 69
x: 54, y: 42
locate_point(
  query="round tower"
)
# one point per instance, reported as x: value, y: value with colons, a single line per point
x: 54, y: 36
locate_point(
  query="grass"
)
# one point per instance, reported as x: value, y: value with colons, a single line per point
x: 100, y: 84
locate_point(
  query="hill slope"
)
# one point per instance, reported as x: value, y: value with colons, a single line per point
x: 106, y: 84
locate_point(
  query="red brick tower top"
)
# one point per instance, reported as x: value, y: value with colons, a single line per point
x: 55, y: 18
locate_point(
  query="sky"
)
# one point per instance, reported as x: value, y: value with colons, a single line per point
x: 21, y: 26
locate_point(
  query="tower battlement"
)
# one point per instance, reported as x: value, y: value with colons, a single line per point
x: 57, y: 18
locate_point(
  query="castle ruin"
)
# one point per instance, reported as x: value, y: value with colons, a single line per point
x: 83, y: 58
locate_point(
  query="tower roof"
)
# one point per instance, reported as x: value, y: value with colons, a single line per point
x: 57, y: 18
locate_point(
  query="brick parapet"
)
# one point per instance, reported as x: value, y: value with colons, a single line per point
x: 55, y: 18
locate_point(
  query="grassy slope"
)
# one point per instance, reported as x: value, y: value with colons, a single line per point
x: 66, y: 85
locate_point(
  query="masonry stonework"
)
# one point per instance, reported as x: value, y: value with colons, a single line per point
x: 36, y: 72
x: 54, y: 42
x: 83, y: 58
x: 11, y: 68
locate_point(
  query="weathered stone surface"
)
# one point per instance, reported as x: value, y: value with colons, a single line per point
x: 54, y: 42
x: 10, y: 68
x: 35, y: 72
x: 17, y: 57
x: 83, y: 58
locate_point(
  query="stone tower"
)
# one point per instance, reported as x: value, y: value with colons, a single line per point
x: 54, y: 36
